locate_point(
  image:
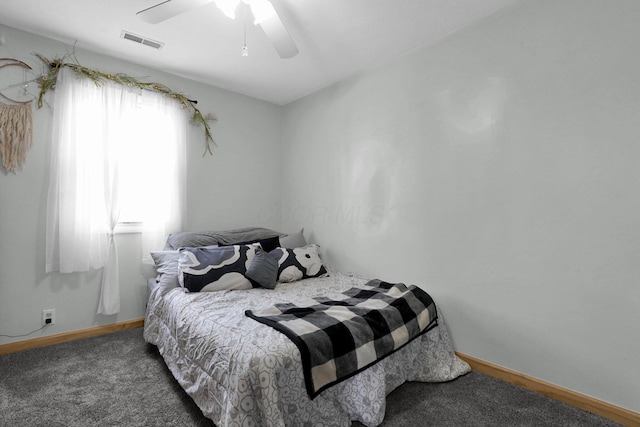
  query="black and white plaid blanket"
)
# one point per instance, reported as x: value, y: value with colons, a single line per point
x: 342, y: 335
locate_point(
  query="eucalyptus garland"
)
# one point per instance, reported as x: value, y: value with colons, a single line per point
x: 47, y: 82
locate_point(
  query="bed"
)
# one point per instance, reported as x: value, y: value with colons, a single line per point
x: 241, y: 372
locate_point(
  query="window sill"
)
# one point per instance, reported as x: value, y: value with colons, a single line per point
x: 128, y: 227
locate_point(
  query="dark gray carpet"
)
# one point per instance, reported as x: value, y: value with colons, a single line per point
x: 119, y: 380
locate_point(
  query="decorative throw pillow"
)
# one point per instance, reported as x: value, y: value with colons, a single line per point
x: 215, y: 269
x: 299, y: 263
x: 263, y: 270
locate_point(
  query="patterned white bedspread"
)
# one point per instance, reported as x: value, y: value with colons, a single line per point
x: 243, y: 373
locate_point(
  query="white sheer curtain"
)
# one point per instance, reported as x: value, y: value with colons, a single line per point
x: 97, y: 134
x: 163, y: 195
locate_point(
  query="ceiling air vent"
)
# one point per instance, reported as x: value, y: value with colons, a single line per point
x: 141, y: 40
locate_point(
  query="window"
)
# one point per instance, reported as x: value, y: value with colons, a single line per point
x: 149, y: 152
x: 117, y: 155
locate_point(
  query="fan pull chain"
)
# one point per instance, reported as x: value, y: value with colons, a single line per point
x: 245, y: 51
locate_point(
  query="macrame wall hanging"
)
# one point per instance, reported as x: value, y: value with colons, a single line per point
x: 16, y: 125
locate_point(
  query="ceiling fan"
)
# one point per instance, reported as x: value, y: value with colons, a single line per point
x: 263, y: 12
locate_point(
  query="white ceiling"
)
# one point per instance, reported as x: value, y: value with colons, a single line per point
x: 336, y: 38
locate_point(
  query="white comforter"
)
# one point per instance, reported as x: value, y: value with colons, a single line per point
x: 243, y: 373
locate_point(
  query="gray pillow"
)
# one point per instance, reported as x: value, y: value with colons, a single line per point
x: 294, y: 240
x: 263, y: 270
x: 166, y: 261
x: 227, y: 237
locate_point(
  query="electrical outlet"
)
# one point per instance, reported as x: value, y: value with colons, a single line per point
x: 49, y: 317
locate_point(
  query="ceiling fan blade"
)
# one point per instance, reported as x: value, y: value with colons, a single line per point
x: 279, y: 36
x: 168, y: 9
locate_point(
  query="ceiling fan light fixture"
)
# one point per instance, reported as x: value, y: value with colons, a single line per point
x: 228, y: 7
x: 262, y: 10
x: 263, y: 13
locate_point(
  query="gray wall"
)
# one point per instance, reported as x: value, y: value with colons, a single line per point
x: 223, y: 191
x: 498, y: 169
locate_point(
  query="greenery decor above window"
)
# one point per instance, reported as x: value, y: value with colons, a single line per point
x: 47, y: 82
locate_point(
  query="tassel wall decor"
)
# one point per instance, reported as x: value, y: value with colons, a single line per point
x: 16, y: 134
x: 16, y: 126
